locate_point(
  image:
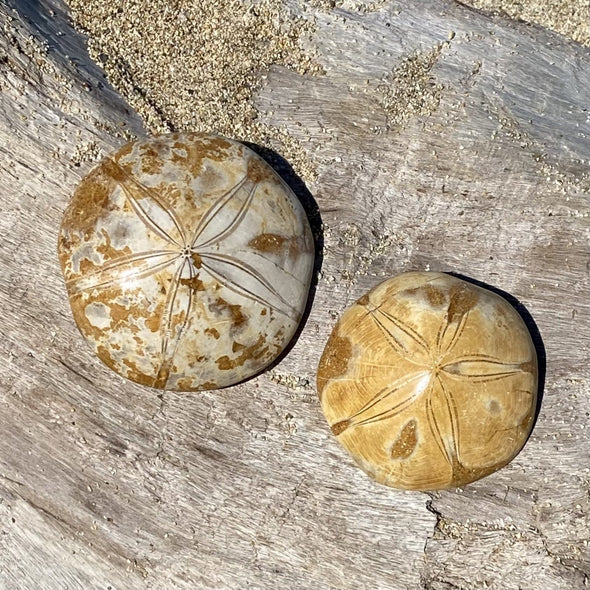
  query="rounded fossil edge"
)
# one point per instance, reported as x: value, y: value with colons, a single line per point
x: 92, y: 198
x: 457, y: 297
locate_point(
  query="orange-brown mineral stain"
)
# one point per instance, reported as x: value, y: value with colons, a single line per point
x: 214, y: 332
x: 192, y: 154
x: 247, y: 353
x: 151, y: 162
x: 434, y: 296
x: 462, y: 300
x: 195, y: 283
x: 405, y: 444
x: 197, y: 260
x: 90, y: 201
x: 136, y: 375
x: 267, y: 243
x: 106, y: 249
x: 258, y: 170
x: 221, y: 307
x: 174, y: 252
x: 89, y: 331
x: 335, y: 359
x: 422, y: 388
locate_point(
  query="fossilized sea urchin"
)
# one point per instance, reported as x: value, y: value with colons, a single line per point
x: 187, y: 261
x: 429, y: 381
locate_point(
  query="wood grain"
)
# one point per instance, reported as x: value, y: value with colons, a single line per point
x: 104, y: 483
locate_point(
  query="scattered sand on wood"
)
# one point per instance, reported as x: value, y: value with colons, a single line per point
x: 571, y: 18
x: 195, y: 65
x: 411, y: 90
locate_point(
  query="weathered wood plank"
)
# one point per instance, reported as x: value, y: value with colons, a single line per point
x: 477, y: 163
x: 491, y: 183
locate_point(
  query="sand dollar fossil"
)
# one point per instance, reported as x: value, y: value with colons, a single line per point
x: 429, y: 381
x: 187, y: 261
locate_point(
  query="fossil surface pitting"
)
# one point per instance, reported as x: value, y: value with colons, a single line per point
x: 429, y: 381
x: 187, y: 261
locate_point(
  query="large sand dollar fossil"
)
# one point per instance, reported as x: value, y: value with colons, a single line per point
x: 429, y: 381
x: 187, y: 261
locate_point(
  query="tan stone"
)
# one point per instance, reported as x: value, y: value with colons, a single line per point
x: 187, y: 261
x: 429, y: 381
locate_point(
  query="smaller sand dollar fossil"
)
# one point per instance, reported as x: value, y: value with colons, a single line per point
x: 187, y: 261
x: 429, y: 381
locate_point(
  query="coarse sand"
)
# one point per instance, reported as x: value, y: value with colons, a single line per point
x: 196, y: 64
x: 571, y: 18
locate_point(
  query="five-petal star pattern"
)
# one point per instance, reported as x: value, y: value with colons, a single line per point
x: 210, y: 250
x: 431, y: 368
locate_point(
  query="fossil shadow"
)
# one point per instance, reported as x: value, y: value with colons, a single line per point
x: 532, y: 328
x: 312, y: 211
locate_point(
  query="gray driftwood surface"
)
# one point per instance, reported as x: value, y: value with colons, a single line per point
x: 105, y: 484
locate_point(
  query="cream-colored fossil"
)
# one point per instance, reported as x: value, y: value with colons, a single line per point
x: 429, y: 381
x: 187, y: 261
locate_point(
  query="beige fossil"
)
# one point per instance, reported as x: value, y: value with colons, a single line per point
x: 187, y: 261
x: 429, y: 381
